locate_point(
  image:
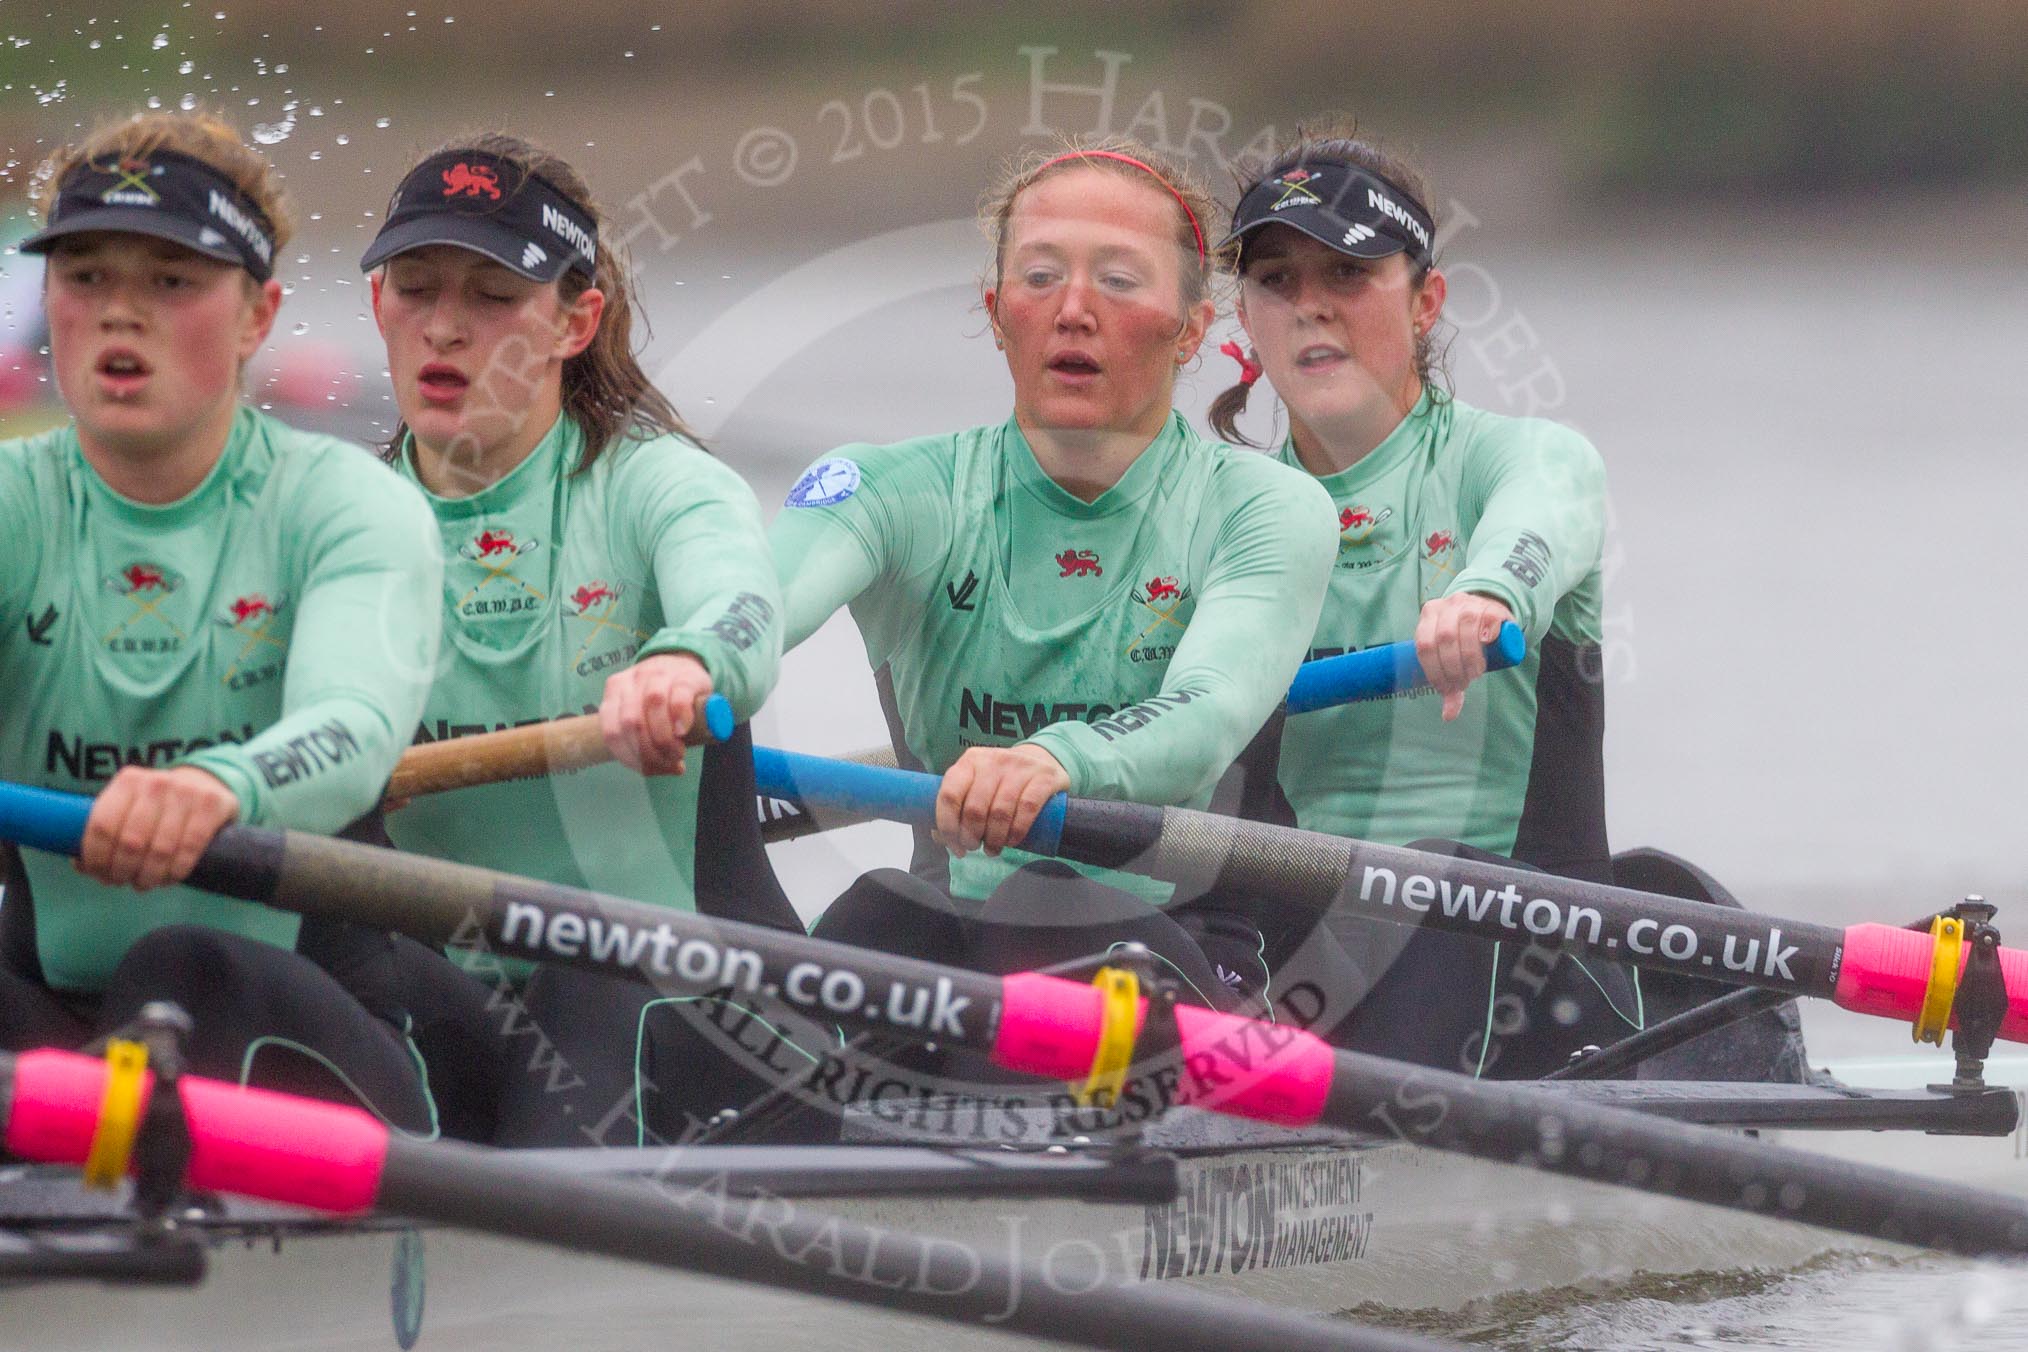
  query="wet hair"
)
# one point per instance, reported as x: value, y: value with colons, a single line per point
x: 1184, y: 190
x: 202, y: 135
x: 604, y: 388
x: 1337, y: 139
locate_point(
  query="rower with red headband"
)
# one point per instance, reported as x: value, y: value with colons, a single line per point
x: 1088, y: 596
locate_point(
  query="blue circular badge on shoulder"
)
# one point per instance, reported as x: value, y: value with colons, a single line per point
x: 826, y: 482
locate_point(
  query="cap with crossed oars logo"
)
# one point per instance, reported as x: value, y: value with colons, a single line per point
x: 133, y: 176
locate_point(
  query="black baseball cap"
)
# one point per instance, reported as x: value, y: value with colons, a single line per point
x: 492, y: 206
x: 1353, y: 210
x: 168, y: 195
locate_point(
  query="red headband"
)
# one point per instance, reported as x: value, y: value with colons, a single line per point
x: 1147, y: 169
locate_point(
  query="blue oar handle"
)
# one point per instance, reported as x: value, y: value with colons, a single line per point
x: 1391, y: 668
x: 719, y: 719
x: 877, y: 791
x: 43, y: 818
x: 910, y: 796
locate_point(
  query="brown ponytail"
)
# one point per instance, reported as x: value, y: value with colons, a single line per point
x: 1336, y: 138
x: 604, y: 388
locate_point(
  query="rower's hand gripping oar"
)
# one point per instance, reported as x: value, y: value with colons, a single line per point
x: 524, y: 753
x: 1875, y: 969
x: 574, y: 743
x: 1390, y: 669
x: 1032, y: 1023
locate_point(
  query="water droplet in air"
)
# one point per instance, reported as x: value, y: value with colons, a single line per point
x: 186, y: 68
x: 271, y: 133
x: 161, y: 41
x: 187, y: 102
x: 382, y: 122
x: 300, y: 330
x: 344, y: 140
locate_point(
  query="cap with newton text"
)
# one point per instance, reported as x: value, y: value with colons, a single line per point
x: 165, y: 194
x: 1353, y: 210
x: 492, y: 206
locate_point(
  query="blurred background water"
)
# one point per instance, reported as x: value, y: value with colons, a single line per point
x: 1772, y: 260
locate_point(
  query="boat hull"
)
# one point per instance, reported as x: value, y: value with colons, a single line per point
x: 1325, y: 1226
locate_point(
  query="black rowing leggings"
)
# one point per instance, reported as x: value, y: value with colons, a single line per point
x: 577, y: 1058
x: 1515, y: 1010
x: 262, y: 1014
x: 1043, y: 914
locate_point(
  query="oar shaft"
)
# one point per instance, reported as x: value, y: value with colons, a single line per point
x: 1047, y: 1026
x: 1541, y: 1129
x: 336, y: 1159
x: 1872, y: 969
x: 797, y: 1246
x: 574, y: 743
x: 550, y: 748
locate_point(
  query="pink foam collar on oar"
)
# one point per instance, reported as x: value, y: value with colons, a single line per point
x: 1267, y: 1072
x: 249, y: 1142
x: 1885, y: 971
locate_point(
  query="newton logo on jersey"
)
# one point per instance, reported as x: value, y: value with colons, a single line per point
x: 826, y: 482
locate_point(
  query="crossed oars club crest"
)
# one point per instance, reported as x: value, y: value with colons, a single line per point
x: 583, y: 602
x: 1440, y: 551
x: 1163, y: 597
x: 133, y: 186
x: 1356, y: 524
x: 1294, y: 191
x: 146, y: 586
x: 495, y: 551
x: 250, y: 617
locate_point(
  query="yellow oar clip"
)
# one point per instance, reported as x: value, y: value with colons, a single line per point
x: 119, y: 1115
x: 1121, y: 993
x: 1947, y: 935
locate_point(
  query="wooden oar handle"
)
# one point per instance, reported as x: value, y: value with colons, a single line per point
x: 527, y: 752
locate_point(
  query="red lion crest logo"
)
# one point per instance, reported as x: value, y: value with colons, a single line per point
x: 1079, y: 563
x: 144, y: 577
x: 250, y: 608
x: 471, y: 180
